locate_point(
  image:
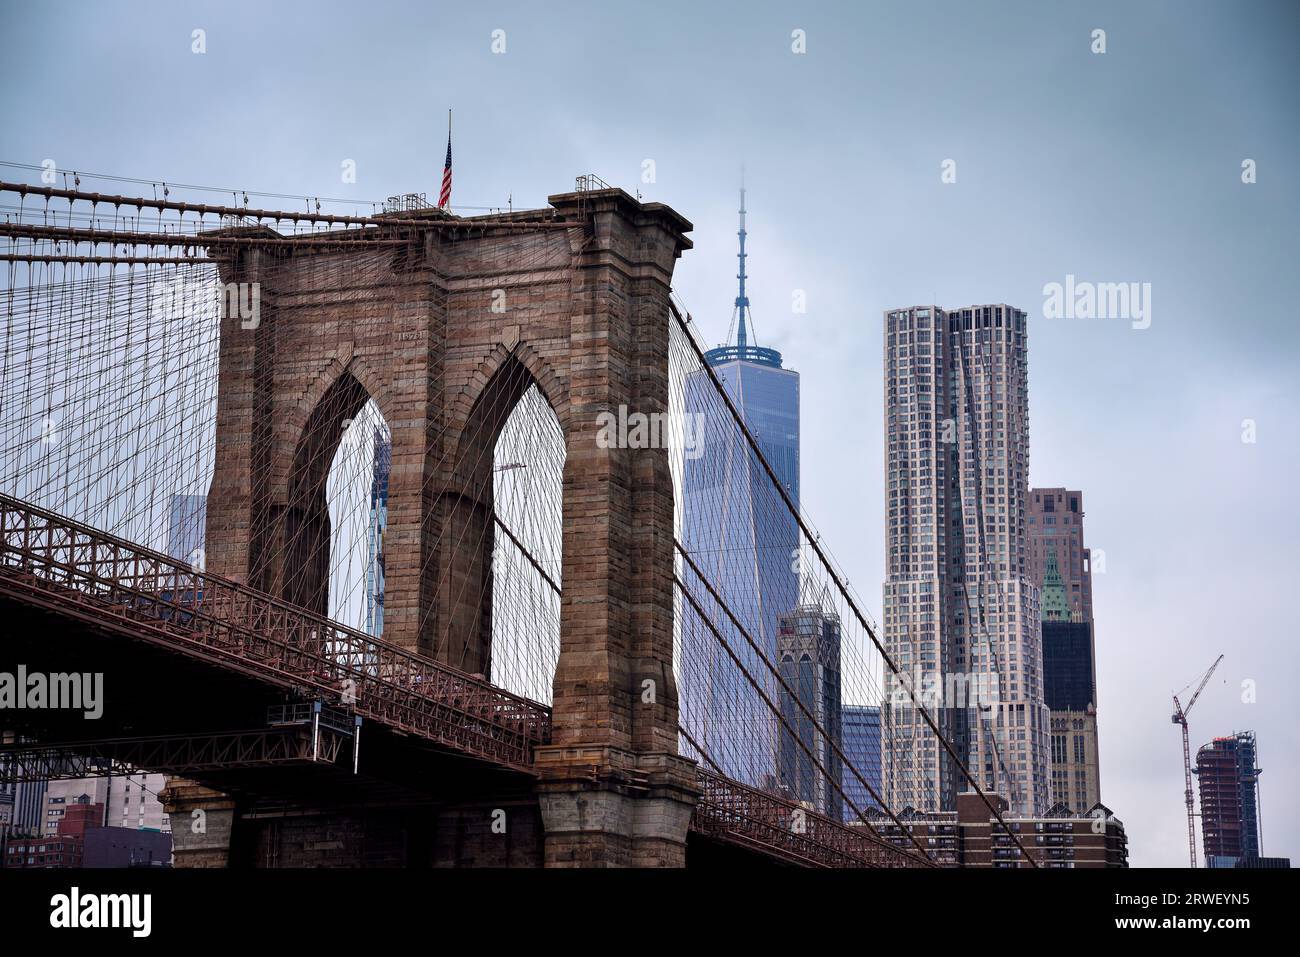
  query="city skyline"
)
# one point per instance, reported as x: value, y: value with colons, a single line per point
x: 1115, y: 167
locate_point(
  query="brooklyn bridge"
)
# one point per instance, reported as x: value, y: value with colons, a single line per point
x: 562, y: 667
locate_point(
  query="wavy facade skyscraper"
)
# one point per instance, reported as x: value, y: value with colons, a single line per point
x: 960, y: 608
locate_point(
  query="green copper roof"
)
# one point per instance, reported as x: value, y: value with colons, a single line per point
x: 1054, y: 604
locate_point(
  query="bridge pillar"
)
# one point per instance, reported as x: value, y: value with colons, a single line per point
x: 237, y: 540
x: 613, y: 790
x: 445, y: 335
x: 202, y: 822
x: 335, y: 329
x: 604, y: 807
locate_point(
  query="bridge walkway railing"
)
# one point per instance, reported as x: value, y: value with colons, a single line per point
x: 53, y: 561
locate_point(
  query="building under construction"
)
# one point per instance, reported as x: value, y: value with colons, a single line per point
x: 1229, y: 779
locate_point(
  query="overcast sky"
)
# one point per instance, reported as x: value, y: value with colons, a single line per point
x: 1124, y: 166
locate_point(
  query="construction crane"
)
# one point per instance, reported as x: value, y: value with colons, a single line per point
x: 1180, y: 717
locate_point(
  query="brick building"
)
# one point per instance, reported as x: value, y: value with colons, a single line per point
x: 972, y: 837
x: 1229, y: 780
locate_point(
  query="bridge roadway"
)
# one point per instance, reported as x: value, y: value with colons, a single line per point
x: 211, y: 680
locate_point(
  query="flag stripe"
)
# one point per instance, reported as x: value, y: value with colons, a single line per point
x: 445, y: 196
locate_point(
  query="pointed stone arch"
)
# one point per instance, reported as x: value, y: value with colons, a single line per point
x: 540, y: 372
x: 465, y: 510
x: 337, y: 362
x: 413, y: 322
x: 305, y: 515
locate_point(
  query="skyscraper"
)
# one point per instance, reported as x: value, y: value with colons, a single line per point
x: 1228, y: 781
x: 860, y: 726
x: 744, y: 539
x: 187, y: 528
x: 1062, y: 568
x: 1071, y: 701
x: 958, y: 599
x: 808, y: 652
x: 1056, y: 526
x: 22, y: 800
x: 375, y: 534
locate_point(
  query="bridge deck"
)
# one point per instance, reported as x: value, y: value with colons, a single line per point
x: 59, y: 566
x: 51, y: 561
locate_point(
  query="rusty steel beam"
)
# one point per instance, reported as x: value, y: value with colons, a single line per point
x: 736, y: 813
x: 109, y: 260
x: 171, y: 754
x: 352, y: 238
x: 141, y: 202
x: 52, y: 562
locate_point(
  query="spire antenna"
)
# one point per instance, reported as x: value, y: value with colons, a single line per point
x: 741, y: 317
x: 742, y: 301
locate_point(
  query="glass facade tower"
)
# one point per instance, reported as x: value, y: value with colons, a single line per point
x: 744, y: 540
x: 860, y: 726
x: 375, y: 534
x: 187, y: 527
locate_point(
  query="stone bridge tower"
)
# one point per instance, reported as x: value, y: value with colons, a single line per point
x: 445, y: 328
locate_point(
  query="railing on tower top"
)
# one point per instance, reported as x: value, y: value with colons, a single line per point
x: 407, y: 202
x: 588, y: 182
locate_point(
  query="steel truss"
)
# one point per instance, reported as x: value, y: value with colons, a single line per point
x: 53, y: 562
x: 173, y: 754
x: 734, y: 813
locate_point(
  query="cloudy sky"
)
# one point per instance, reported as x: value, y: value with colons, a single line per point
x: 1122, y: 166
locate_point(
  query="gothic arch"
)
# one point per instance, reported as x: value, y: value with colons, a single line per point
x: 469, y: 402
x: 414, y: 328
x: 305, y: 515
x: 336, y: 364
x: 465, y: 507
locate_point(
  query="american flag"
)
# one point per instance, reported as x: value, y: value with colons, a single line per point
x: 445, y: 196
